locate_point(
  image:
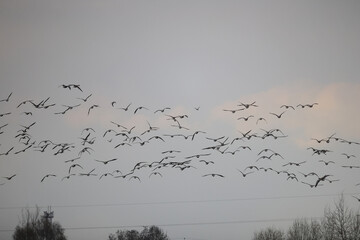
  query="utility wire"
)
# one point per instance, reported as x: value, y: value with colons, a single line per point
x: 182, y: 224
x: 182, y: 202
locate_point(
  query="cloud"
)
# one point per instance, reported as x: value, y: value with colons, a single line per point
x: 336, y: 111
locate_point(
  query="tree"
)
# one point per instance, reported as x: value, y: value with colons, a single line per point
x: 32, y: 227
x: 269, y: 234
x: 303, y: 230
x: 341, y: 223
x: 148, y: 233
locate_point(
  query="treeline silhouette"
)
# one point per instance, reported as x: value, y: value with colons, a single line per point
x: 340, y: 223
x: 148, y: 233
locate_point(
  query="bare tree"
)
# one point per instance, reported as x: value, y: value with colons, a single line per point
x: 303, y: 230
x: 148, y: 233
x: 269, y: 234
x: 341, y: 223
x: 32, y: 227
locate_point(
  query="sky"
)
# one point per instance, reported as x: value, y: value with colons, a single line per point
x: 194, y: 58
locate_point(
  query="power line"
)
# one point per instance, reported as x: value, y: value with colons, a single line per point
x: 183, y: 201
x: 182, y: 224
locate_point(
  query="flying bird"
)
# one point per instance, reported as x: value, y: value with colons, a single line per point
x: 247, y: 105
x: 162, y: 110
x: 244, y: 174
x: 326, y: 163
x: 9, y: 178
x: 320, y: 179
x: 92, y: 107
x: 206, y: 162
x: 139, y: 108
x: 155, y: 173
x: 68, y: 176
x: 245, y: 118
x: 126, y: 108
x: 6, y: 99
x: 348, y: 156
x: 85, y: 99
x: 278, y: 115
x: 107, y: 161
x: 213, y: 175
x: 73, y: 166
x: 287, y: 107
x: 46, y: 176
x: 135, y: 177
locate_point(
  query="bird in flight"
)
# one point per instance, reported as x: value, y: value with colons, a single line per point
x: 155, y: 173
x: 46, y: 176
x: 73, y: 166
x: 320, y: 179
x: 9, y: 178
x: 126, y: 108
x: 105, y: 174
x: 206, y: 162
x: 88, y: 174
x: 139, y: 108
x: 287, y: 107
x: 213, y: 175
x: 85, y: 99
x: 278, y: 115
x: 326, y: 163
x: 6, y: 153
x: 348, y: 156
x: 247, y: 105
x: 107, y: 161
x: 6, y: 99
x: 245, y: 118
x: 244, y: 174
x: 68, y: 176
x: 357, y: 198
x: 92, y: 107
x: 135, y: 177
x: 162, y: 110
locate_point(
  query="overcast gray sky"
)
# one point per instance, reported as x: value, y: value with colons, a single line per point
x: 209, y: 55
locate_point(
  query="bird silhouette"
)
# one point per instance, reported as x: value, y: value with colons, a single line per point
x: 105, y: 174
x: 326, y: 162
x: 107, y: 161
x: 247, y: 105
x: 155, y: 173
x: 88, y: 174
x: 10, y: 177
x: 46, y: 176
x: 245, y: 118
x: 6, y: 99
x: 135, y: 177
x: 206, y: 162
x: 348, y: 155
x: 92, y: 107
x: 7, y: 153
x: 244, y: 174
x: 162, y: 110
x: 139, y: 108
x: 357, y: 198
x: 4, y: 114
x: 85, y: 99
x: 213, y: 175
x: 287, y: 107
x: 68, y: 176
x: 278, y: 115
x: 233, y: 110
x: 320, y: 179
x: 126, y: 108
x: 73, y: 166
x: 261, y: 119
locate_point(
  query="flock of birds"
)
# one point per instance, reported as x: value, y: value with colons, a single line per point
x: 120, y: 137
